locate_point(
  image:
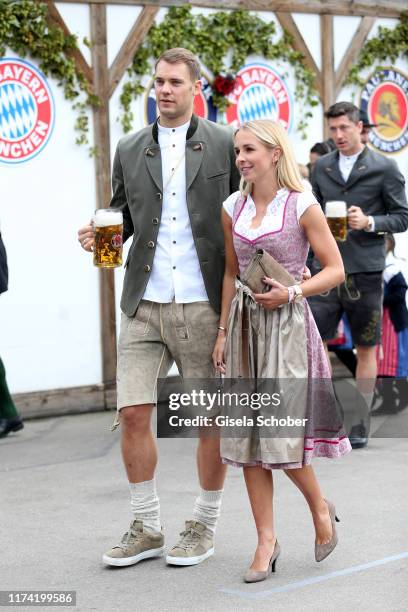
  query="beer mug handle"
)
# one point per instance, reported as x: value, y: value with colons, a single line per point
x: 92, y: 223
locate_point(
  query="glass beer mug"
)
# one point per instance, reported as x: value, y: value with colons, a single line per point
x: 336, y: 215
x: 108, y: 228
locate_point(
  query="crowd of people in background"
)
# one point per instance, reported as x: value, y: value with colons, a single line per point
x: 390, y: 395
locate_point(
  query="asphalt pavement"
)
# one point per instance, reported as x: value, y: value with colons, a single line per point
x: 64, y: 501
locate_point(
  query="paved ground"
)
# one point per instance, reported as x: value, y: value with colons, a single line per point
x: 64, y: 500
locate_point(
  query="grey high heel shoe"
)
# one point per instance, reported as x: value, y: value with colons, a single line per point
x: 323, y: 550
x: 257, y: 576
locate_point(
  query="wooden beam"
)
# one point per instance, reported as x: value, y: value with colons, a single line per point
x: 103, y: 190
x: 80, y: 62
x: 327, y: 49
x: 128, y: 49
x: 352, y: 52
x: 288, y: 23
x: 58, y: 402
x: 373, y: 8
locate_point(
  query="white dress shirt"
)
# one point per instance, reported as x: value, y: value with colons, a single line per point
x: 176, y: 272
x: 346, y: 163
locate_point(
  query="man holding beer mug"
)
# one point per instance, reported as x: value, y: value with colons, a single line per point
x: 363, y: 195
x: 169, y: 182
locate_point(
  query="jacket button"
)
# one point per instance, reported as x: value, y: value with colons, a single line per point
x: 147, y: 268
x: 155, y: 221
x: 150, y: 244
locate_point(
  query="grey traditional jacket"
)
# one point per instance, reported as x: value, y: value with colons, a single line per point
x: 375, y: 185
x: 211, y: 176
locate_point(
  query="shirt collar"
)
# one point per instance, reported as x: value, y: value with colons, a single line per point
x: 180, y: 129
x: 191, y: 130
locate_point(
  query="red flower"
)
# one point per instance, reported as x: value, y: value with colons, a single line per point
x: 224, y: 85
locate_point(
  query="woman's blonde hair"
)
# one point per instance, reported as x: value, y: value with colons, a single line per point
x: 272, y: 135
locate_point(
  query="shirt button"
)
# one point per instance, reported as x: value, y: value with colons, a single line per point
x: 174, y: 267
x: 173, y: 130
x: 174, y: 218
x: 155, y: 221
x: 174, y: 193
x: 174, y: 145
x: 174, y: 242
x: 172, y: 169
x: 147, y: 268
x: 150, y: 244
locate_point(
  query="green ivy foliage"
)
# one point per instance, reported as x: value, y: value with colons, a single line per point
x: 25, y: 29
x: 214, y: 38
x: 387, y: 46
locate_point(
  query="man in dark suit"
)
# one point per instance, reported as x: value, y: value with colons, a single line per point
x: 373, y: 189
x: 10, y: 420
x: 169, y: 180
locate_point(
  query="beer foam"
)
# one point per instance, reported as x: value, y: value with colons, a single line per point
x: 336, y: 209
x: 106, y: 217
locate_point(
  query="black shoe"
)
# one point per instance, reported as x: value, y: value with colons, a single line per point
x: 358, y: 436
x: 358, y: 442
x: 7, y: 425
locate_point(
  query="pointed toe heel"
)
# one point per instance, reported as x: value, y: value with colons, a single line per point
x: 257, y: 576
x: 323, y: 550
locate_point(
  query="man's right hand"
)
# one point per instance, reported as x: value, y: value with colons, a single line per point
x: 86, y: 237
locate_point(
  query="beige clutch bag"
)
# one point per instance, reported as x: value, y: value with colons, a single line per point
x: 262, y: 264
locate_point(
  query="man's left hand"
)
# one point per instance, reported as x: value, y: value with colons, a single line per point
x: 357, y: 220
x: 275, y: 297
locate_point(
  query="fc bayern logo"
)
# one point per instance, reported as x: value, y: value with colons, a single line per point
x: 26, y: 111
x: 203, y: 104
x: 385, y: 99
x: 260, y: 93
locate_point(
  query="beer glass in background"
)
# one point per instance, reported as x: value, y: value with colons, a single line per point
x: 336, y: 215
x: 108, y: 228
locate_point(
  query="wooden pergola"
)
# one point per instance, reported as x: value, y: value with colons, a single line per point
x: 104, y: 79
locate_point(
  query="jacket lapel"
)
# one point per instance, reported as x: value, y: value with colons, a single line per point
x: 194, y: 158
x: 153, y: 163
x: 359, y: 168
x: 332, y: 170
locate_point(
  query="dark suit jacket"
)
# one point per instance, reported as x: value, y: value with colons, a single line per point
x: 375, y: 185
x: 3, y: 268
x: 211, y: 175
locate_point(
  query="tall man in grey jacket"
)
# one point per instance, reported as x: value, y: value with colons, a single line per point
x: 373, y: 189
x: 169, y: 180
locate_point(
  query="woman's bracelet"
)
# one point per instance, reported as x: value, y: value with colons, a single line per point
x: 221, y: 328
x: 291, y: 294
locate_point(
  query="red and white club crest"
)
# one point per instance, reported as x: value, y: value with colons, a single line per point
x: 260, y: 93
x: 26, y: 111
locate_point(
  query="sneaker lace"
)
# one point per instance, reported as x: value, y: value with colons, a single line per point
x: 189, y: 538
x: 129, y: 538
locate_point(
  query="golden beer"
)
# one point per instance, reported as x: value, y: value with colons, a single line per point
x: 336, y: 215
x: 108, y: 228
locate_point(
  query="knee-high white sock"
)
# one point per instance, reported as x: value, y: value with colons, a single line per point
x: 207, y: 508
x: 145, y: 504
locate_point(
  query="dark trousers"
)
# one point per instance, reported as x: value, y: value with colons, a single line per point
x: 7, y: 407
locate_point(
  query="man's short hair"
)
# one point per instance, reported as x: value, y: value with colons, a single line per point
x: 322, y: 148
x: 344, y: 108
x: 179, y: 55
